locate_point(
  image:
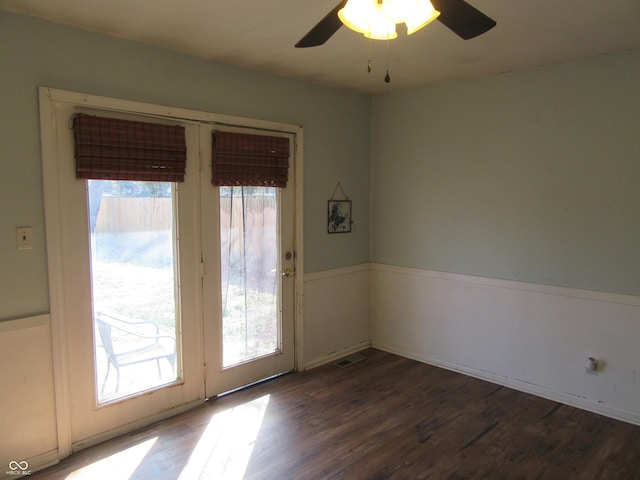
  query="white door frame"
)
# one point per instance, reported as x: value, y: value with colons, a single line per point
x: 49, y: 98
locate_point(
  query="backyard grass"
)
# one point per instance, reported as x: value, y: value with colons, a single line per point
x: 138, y: 292
x: 146, y: 293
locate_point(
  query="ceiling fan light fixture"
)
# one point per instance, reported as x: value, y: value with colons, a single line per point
x: 355, y: 14
x: 366, y: 17
x: 377, y: 19
x: 398, y: 10
x: 422, y: 16
x: 380, y: 27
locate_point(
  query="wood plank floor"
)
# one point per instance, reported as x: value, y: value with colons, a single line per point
x: 384, y: 418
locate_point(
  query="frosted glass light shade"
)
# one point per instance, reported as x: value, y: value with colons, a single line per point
x: 398, y: 10
x: 377, y: 20
x: 366, y: 17
x: 356, y: 13
x: 380, y: 27
x: 423, y: 15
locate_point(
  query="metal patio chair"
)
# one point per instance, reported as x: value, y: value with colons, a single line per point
x: 129, y: 342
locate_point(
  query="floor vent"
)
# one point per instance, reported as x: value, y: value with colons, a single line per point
x: 350, y: 360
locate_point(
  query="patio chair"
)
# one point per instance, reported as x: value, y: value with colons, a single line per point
x: 129, y: 342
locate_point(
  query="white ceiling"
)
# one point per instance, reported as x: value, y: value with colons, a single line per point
x: 261, y: 34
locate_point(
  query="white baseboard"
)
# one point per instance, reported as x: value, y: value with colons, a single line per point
x: 130, y: 427
x: 336, y: 355
x: 515, y: 384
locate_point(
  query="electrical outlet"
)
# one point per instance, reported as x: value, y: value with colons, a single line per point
x: 24, y: 238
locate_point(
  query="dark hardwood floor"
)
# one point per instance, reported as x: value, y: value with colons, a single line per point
x: 384, y: 418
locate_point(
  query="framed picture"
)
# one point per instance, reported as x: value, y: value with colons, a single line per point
x: 339, y: 216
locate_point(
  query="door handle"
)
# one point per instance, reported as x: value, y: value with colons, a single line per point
x: 288, y: 272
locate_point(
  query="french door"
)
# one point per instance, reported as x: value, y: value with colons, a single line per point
x: 208, y: 273
x: 248, y: 277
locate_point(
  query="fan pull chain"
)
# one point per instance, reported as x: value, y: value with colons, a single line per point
x: 369, y: 62
x: 387, y: 78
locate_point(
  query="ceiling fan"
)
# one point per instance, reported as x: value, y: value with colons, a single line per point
x: 463, y: 19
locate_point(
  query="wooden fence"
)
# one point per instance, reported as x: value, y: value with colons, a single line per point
x: 135, y: 214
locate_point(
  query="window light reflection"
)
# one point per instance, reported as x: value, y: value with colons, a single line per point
x: 119, y: 465
x: 225, y: 448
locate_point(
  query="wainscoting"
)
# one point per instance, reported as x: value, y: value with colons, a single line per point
x: 533, y: 338
x: 27, y: 403
x: 336, y: 314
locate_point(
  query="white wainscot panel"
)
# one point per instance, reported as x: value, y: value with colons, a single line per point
x: 336, y: 314
x: 27, y: 402
x: 533, y: 338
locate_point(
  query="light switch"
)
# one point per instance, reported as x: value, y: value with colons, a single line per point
x: 23, y: 237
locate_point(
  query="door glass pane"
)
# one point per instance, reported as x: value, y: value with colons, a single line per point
x: 133, y: 267
x: 249, y: 268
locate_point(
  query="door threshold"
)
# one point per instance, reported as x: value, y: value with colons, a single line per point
x: 249, y: 385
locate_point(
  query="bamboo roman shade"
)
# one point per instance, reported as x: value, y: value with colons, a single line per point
x: 116, y: 149
x: 241, y: 159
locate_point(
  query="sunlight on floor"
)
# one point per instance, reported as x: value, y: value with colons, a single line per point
x: 224, y: 450
x: 119, y: 465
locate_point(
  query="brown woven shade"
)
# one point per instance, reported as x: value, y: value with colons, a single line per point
x: 241, y: 159
x: 116, y: 149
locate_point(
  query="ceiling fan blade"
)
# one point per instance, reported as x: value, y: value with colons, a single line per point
x: 323, y: 31
x: 463, y: 19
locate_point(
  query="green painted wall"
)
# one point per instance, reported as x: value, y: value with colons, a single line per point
x: 530, y: 176
x: 34, y: 53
